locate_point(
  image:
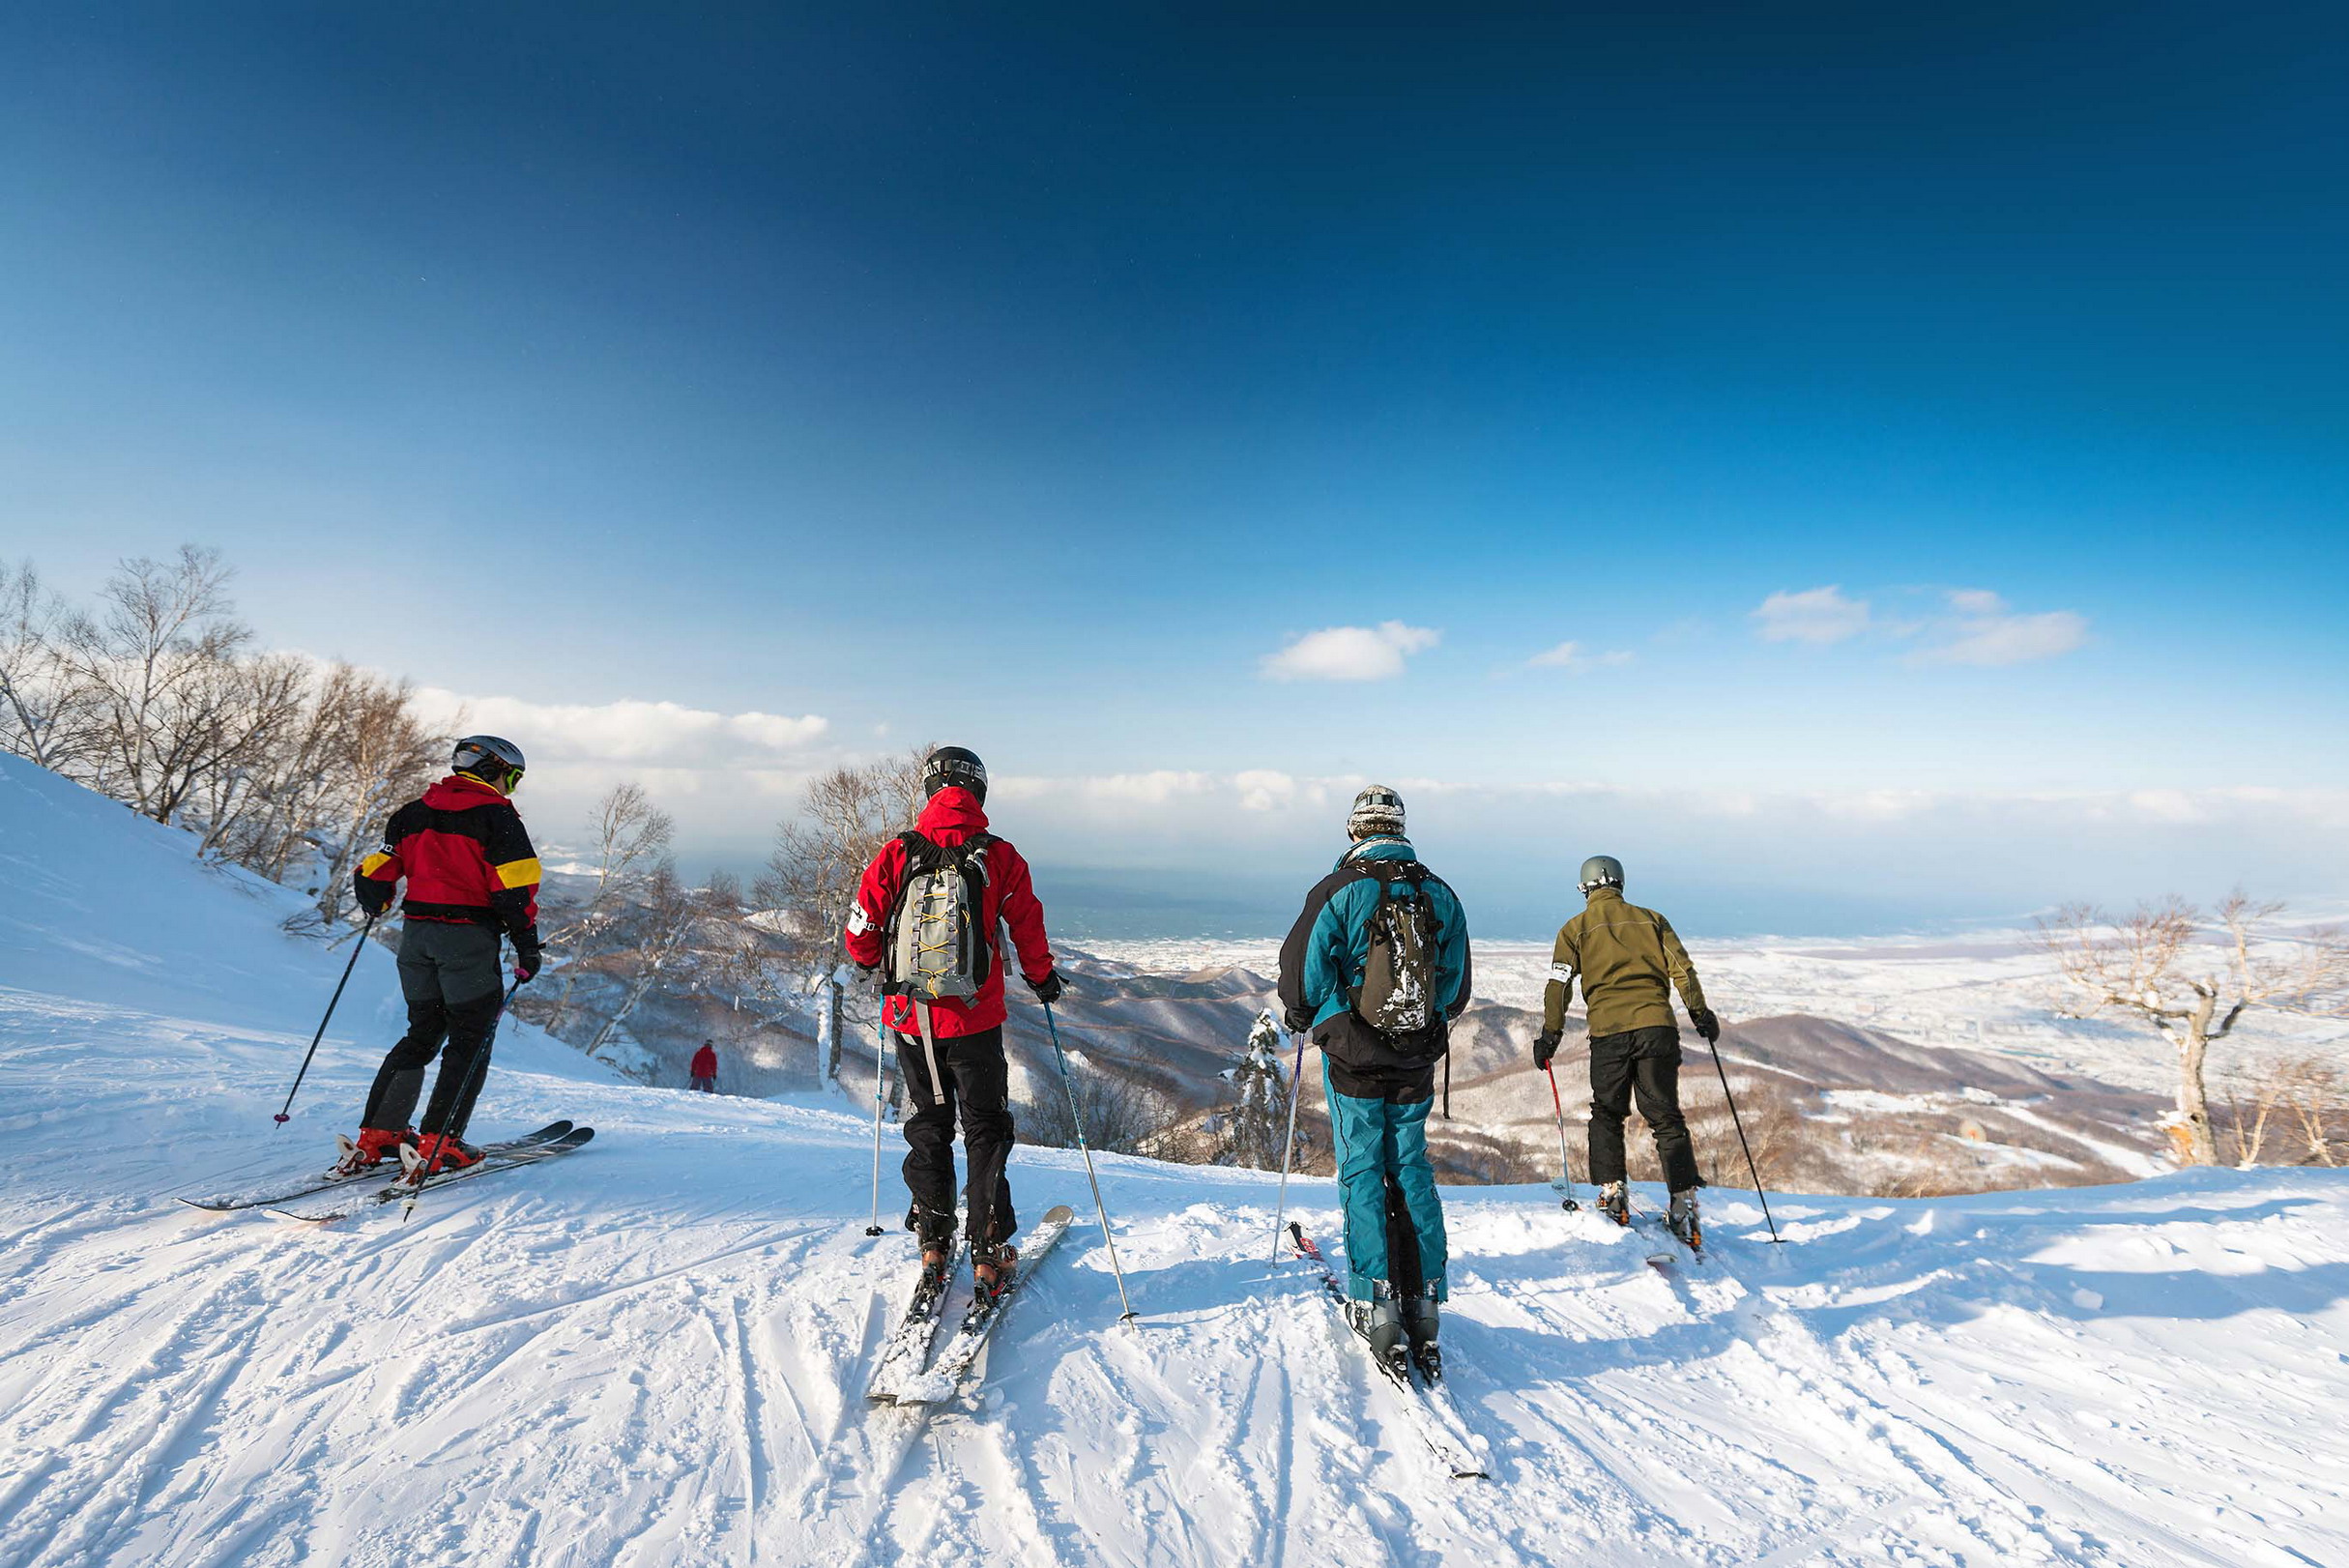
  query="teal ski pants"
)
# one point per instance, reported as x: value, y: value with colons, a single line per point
x: 1394, y: 1221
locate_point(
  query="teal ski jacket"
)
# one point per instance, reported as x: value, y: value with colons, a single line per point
x: 1328, y: 948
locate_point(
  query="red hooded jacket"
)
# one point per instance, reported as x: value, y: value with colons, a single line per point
x: 705, y: 1062
x: 953, y: 816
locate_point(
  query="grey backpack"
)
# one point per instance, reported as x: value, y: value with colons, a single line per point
x: 936, y: 947
x: 1397, y: 995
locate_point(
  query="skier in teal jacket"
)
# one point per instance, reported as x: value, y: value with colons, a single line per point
x: 1377, y: 967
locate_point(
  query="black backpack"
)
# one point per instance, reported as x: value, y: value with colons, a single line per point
x: 1397, y: 993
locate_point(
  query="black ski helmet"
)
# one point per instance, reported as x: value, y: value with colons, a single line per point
x: 1377, y: 810
x: 494, y: 762
x: 953, y: 764
x: 1602, y: 871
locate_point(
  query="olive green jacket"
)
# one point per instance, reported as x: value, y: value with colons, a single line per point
x: 1625, y: 955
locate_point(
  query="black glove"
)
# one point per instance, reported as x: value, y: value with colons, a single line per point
x: 373, y: 896
x: 1297, y: 1023
x: 528, y: 957
x: 1544, y: 1046
x: 1048, y: 989
x: 1708, y: 1024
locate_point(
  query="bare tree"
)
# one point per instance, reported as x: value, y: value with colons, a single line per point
x: 251, y: 800
x: 1121, y: 1115
x: 2191, y: 977
x: 658, y: 927
x: 43, y: 706
x: 629, y: 839
x: 334, y: 767
x: 160, y: 665
x: 2313, y: 1091
x: 2250, y: 1106
x: 820, y: 855
x: 385, y: 757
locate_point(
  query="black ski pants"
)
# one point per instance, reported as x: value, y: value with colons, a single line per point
x: 1645, y: 1063
x: 454, y: 989
x: 975, y: 1081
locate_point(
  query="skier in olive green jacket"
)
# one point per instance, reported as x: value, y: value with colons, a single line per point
x: 1626, y: 958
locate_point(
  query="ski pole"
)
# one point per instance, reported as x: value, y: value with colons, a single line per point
x: 1739, y: 1122
x: 1297, y: 1087
x: 881, y: 1040
x: 1565, y: 1181
x: 473, y: 1077
x: 285, y: 1110
x: 1076, y: 1120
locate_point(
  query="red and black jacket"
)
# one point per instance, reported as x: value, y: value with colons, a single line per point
x: 466, y: 857
x: 953, y: 816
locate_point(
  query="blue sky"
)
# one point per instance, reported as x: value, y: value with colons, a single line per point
x: 1041, y: 382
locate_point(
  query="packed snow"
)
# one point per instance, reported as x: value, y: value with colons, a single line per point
x: 654, y: 1351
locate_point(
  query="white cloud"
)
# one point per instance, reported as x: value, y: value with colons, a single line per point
x: 1986, y: 633
x: 1149, y: 788
x: 1569, y: 656
x: 664, y: 733
x: 1976, y: 628
x: 1264, y: 790
x: 1350, y: 652
x: 1816, y: 615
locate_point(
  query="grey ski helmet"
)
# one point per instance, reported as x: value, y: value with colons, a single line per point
x: 1376, y: 810
x: 951, y: 765
x: 494, y: 761
x: 1602, y: 871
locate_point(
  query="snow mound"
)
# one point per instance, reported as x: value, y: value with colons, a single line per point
x: 652, y: 1351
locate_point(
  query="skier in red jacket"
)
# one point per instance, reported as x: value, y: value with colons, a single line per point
x: 946, y: 1008
x: 471, y: 876
x: 705, y: 1069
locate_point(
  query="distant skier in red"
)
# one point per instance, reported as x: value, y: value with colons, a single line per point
x: 705, y: 1069
x: 926, y: 916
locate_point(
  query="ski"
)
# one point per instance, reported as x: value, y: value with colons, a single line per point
x: 490, y: 1163
x: 945, y: 1375
x: 326, y: 1180
x: 1428, y: 1408
x: 907, y: 1347
x: 1665, y: 1261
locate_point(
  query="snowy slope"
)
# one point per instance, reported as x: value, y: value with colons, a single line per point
x: 652, y: 1352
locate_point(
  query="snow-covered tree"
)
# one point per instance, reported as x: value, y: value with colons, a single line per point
x: 1256, y: 1125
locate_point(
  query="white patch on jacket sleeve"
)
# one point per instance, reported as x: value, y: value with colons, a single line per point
x: 1563, y: 973
x: 859, y: 922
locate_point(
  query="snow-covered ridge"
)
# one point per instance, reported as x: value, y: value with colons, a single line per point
x: 653, y: 1353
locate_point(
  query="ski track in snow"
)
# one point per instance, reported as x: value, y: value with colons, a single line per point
x: 654, y: 1351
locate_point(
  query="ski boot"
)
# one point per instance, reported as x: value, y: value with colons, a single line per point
x: 375, y: 1145
x: 1682, y: 1220
x: 1614, y: 1203
x: 1380, y: 1322
x: 991, y: 1267
x: 440, y: 1151
x: 1421, y: 1322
